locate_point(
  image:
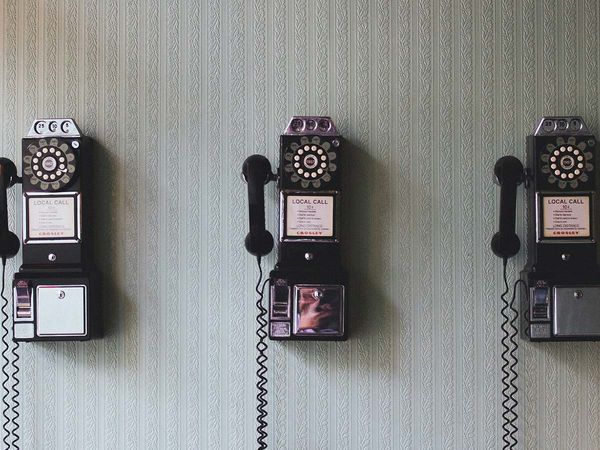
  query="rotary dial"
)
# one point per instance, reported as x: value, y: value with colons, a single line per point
x: 50, y: 164
x: 310, y: 161
x: 567, y: 163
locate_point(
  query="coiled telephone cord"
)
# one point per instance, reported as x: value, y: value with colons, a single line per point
x: 261, y: 360
x: 10, y: 424
x: 510, y: 359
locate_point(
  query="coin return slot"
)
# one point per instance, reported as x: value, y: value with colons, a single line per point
x: 540, y: 312
x: 280, y: 305
x: 23, y: 303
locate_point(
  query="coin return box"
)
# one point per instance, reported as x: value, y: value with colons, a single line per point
x: 61, y: 310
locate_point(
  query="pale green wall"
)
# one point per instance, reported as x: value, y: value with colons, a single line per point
x: 177, y: 93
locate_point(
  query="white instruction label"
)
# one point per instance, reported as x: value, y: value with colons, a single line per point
x: 51, y: 217
x: 566, y: 216
x: 309, y: 216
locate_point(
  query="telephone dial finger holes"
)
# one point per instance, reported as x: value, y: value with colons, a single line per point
x: 309, y: 160
x: 566, y: 161
x: 49, y: 164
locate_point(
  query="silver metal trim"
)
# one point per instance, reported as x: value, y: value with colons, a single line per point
x: 331, y: 131
x: 539, y: 129
x: 273, y: 302
x: 322, y: 286
x: 23, y: 319
x: 567, y: 322
x: 55, y: 127
x: 85, y: 308
x: 532, y: 304
x: 27, y: 240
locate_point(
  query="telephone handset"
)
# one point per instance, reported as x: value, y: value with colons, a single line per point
x: 561, y: 300
x: 307, y: 288
x: 9, y: 242
x: 54, y: 294
x: 257, y: 173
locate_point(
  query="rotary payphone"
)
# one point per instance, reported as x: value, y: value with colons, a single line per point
x: 561, y: 299
x: 55, y: 290
x: 54, y: 294
x: 560, y: 283
x: 307, y: 288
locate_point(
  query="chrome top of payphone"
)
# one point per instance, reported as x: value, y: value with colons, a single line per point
x: 321, y: 125
x: 55, y: 128
x: 549, y: 126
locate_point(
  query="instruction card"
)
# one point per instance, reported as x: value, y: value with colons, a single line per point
x: 566, y: 217
x: 51, y: 217
x: 309, y: 216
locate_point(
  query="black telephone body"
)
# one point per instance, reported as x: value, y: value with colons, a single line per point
x: 307, y: 288
x: 55, y: 289
x: 561, y: 297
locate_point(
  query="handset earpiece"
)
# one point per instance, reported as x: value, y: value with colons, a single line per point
x: 509, y: 173
x: 9, y: 242
x: 257, y: 172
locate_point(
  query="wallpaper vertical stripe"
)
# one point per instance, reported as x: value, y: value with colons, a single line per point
x: 177, y: 93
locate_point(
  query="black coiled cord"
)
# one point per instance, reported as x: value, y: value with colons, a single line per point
x: 509, y: 364
x: 10, y: 424
x: 261, y: 360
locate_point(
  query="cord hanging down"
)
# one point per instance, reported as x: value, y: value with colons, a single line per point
x: 10, y: 425
x: 509, y: 356
x: 261, y: 360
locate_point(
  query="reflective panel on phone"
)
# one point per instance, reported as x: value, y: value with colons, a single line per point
x: 318, y: 310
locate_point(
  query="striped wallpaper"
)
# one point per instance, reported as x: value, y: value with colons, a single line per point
x: 177, y: 93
